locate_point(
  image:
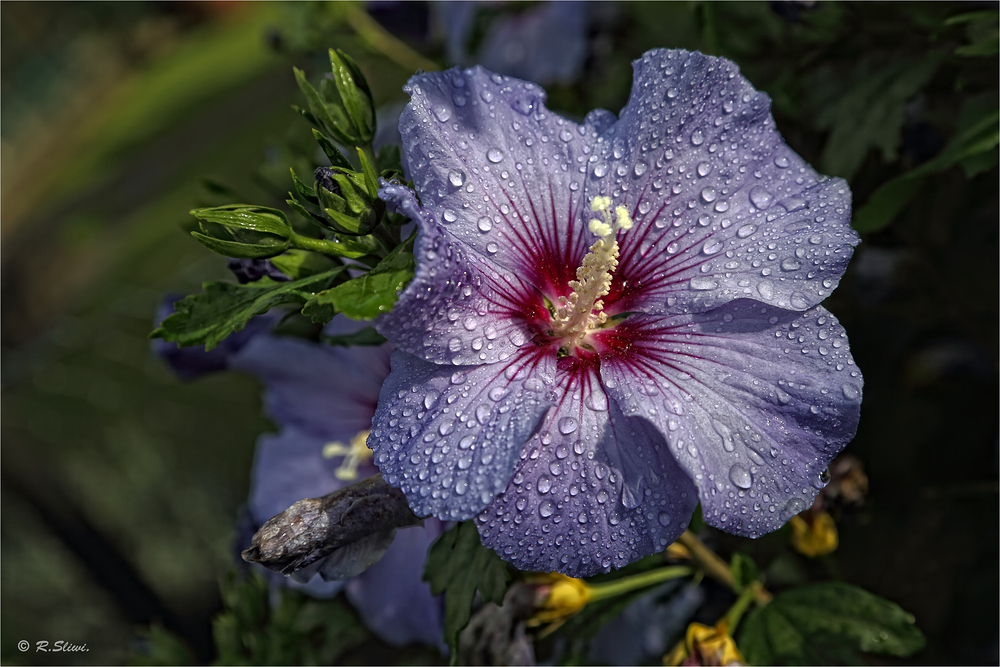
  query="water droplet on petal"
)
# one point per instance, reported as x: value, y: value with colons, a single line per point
x: 781, y: 162
x: 740, y: 476
x: 745, y: 231
x: 711, y: 246
x: 704, y: 169
x: 567, y: 425
x: 546, y: 509
x: 442, y: 113
x: 601, y: 170
x: 709, y: 195
x: 790, y: 264
x: 484, y: 224
x: 494, y: 155
x: 760, y: 197
x: 702, y: 283
x: 697, y: 138
x: 544, y: 484
x: 456, y: 178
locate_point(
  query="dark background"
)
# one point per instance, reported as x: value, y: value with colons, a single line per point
x: 121, y: 485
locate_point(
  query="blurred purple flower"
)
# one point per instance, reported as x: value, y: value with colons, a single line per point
x: 323, y: 397
x: 546, y: 43
x: 191, y: 363
x: 581, y: 422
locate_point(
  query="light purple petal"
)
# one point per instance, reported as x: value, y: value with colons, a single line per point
x: 754, y: 401
x: 457, y: 309
x: 392, y: 597
x: 545, y: 44
x: 594, y: 489
x: 290, y: 466
x: 500, y: 172
x: 449, y: 437
x: 329, y: 392
x: 723, y: 208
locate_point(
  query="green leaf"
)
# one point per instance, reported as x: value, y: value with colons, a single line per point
x: 367, y: 296
x: 306, y: 191
x: 744, y: 570
x: 297, y: 264
x: 224, y: 308
x: 978, y: 134
x: 865, y: 109
x: 366, y: 336
x: 355, y: 95
x: 827, y: 622
x: 458, y: 565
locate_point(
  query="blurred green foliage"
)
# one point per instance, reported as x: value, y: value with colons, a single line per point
x: 102, y: 447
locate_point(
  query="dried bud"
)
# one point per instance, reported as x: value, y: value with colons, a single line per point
x: 338, y: 535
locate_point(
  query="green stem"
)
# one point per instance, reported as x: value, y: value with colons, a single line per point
x: 710, y: 563
x: 637, y: 581
x: 736, y: 612
x: 384, y: 42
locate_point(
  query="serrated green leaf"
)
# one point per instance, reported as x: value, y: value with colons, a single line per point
x: 367, y: 296
x: 224, y: 308
x: 826, y: 622
x: 239, y: 250
x: 744, y: 570
x: 298, y: 264
x: 457, y: 566
x: 865, y: 109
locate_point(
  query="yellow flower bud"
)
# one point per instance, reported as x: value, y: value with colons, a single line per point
x: 706, y: 645
x: 558, y: 597
x: 814, y: 537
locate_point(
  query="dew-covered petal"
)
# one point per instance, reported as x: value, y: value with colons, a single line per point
x: 594, y: 490
x: 329, y: 392
x: 458, y: 309
x: 391, y: 596
x: 449, y: 437
x: 723, y: 208
x: 754, y: 401
x: 499, y: 171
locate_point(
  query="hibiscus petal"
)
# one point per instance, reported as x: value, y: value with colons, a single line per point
x: 450, y: 437
x: 594, y: 489
x: 299, y: 392
x: 288, y: 467
x: 392, y: 597
x: 501, y: 172
x: 755, y: 401
x: 723, y: 208
x: 457, y: 309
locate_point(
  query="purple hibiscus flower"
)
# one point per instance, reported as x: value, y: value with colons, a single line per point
x: 613, y: 320
x: 324, y: 397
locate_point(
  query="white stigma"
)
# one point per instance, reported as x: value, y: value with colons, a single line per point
x: 354, y: 454
x: 583, y: 311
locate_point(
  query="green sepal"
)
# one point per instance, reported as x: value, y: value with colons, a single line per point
x: 225, y: 308
x: 297, y: 206
x: 321, y: 113
x: 306, y: 191
x: 367, y: 296
x: 244, y: 216
x: 458, y: 565
x: 297, y: 264
x: 333, y: 153
x: 346, y: 224
x: 355, y: 95
x: 371, y: 177
x: 826, y: 623
x: 239, y: 250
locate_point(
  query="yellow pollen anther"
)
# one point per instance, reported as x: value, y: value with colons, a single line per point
x: 355, y: 454
x: 582, y: 311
